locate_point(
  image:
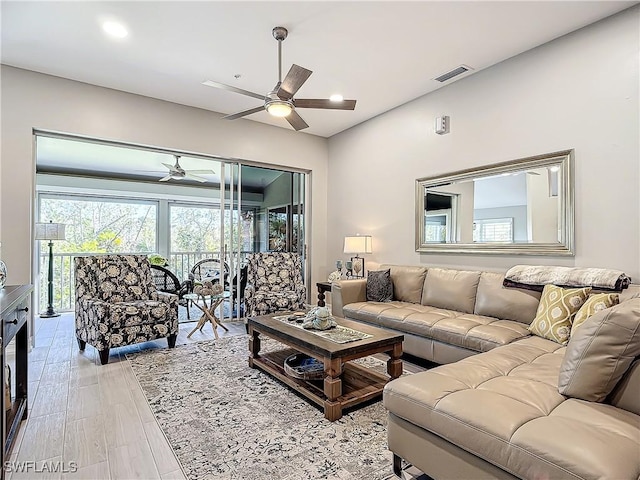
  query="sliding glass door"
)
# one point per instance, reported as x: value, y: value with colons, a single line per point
x: 276, y: 200
x: 120, y: 198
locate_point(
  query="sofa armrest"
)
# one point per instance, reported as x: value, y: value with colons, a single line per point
x: 91, y: 303
x: 346, y: 292
x: 165, y: 297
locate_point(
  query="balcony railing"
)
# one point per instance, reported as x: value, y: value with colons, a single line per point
x: 64, y: 299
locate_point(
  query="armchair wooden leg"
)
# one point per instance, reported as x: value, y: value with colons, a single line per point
x: 104, y: 356
x: 171, y: 340
x: 81, y: 344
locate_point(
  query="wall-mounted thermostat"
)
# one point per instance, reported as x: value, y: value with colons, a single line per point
x: 442, y: 125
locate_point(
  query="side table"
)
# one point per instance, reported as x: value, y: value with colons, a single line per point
x: 208, y: 312
x: 323, y: 287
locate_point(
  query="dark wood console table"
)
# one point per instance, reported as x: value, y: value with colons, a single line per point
x: 14, y: 313
x: 323, y: 287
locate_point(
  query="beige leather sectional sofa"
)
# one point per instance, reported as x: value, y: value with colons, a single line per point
x: 494, y: 411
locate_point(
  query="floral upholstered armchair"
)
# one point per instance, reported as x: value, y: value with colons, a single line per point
x: 274, y: 283
x: 118, y: 304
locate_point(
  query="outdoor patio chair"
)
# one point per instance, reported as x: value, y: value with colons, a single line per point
x: 211, y: 269
x: 166, y: 281
x: 274, y: 283
x: 118, y: 304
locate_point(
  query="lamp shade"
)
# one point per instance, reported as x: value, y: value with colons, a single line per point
x: 357, y: 244
x: 50, y: 231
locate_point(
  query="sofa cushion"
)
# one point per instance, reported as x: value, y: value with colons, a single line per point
x: 626, y: 395
x: 595, y: 303
x: 451, y: 289
x: 138, y: 312
x: 495, y: 300
x: 379, y: 286
x: 555, y: 313
x: 504, y: 407
x: 407, y: 282
x: 628, y: 293
x: 474, y: 332
x: 601, y: 351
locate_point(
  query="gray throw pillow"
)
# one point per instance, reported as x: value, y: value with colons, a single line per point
x: 379, y: 286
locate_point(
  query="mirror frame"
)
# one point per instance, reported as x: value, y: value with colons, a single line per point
x: 564, y: 247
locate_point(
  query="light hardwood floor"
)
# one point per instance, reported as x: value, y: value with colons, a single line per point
x: 95, y: 415
x: 91, y: 414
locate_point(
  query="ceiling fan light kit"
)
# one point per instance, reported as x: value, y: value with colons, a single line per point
x: 280, y: 102
x: 279, y: 108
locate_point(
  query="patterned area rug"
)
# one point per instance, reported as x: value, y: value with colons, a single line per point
x: 225, y: 420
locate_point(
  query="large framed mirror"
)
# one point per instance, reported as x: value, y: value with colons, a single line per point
x: 521, y: 207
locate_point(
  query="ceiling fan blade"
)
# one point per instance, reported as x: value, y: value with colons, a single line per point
x: 211, y: 83
x: 194, y: 177
x: 165, y: 179
x: 292, y: 82
x: 324, y: 103
x: 242, y: 114
x: 171, y: 168
x: 296, y: 121
x: 205, y: 172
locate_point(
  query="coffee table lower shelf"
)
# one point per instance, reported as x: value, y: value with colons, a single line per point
x: 359, y: 384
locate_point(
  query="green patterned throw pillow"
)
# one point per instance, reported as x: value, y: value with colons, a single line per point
x: 556, y: 310
x: 595, y: 303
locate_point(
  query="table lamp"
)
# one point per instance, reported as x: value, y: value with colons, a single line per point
x: 357, y: 244
x: 50, y: 231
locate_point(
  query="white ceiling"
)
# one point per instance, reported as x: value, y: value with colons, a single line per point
x: 501, y: 191
x: 383, y: 54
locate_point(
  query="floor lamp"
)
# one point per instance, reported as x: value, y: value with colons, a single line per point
x: 50, y: 231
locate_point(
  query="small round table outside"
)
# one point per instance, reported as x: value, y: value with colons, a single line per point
x: 208, y: 311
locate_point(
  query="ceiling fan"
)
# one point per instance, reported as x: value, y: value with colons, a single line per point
x: 279, y: 102
x: 176, y: 172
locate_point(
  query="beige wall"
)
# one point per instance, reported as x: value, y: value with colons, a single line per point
x: 579, y: 91
x: 31, y: 100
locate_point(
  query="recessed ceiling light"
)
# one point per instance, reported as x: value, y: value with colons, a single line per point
x: 336, y: 97
x: 115, y: 29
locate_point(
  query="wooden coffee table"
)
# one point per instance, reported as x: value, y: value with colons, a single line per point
x: 346, y: 384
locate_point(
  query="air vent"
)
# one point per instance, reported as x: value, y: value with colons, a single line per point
x: 453, y: 73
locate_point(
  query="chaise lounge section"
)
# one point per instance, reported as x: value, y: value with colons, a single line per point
x: 500, y: 415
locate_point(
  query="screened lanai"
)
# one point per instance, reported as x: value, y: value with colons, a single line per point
x: 183, y: 207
